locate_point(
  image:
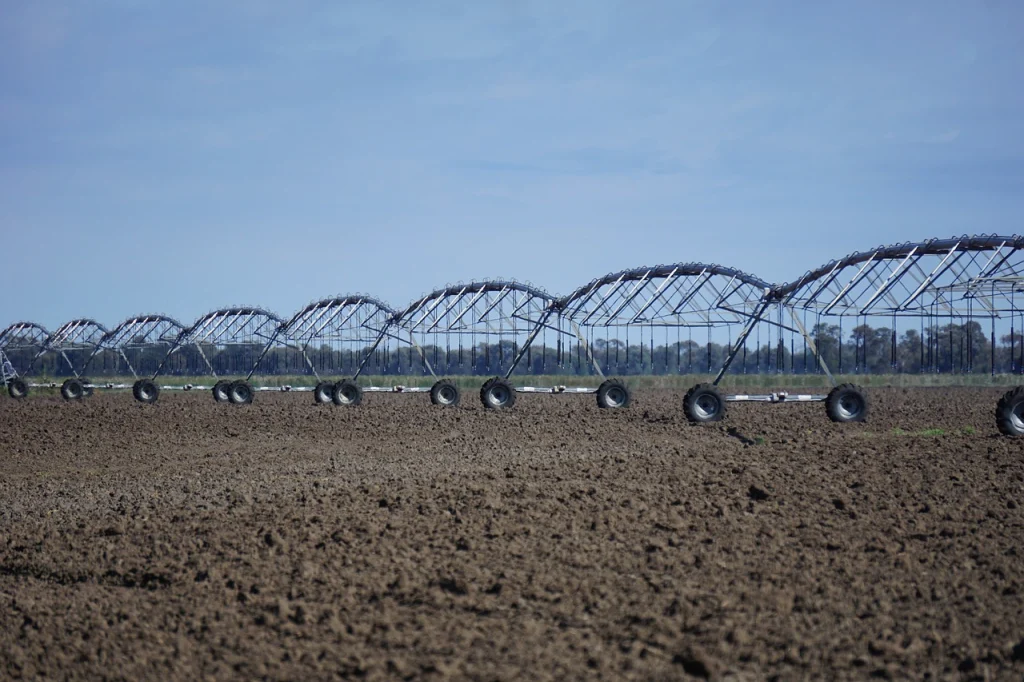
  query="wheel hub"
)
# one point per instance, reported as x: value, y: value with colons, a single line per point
x: 615, y: 397
x: 850, y: 406
x: 706, y: 406
x: 499, y: 395
x: 1017, y: 417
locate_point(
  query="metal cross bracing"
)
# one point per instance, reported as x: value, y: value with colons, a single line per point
x: 485, y: 328
x: 651, y: 302
x: 226, y: 342
x: 22, y: 343
x: 680, y: 295
x: 979, y: 275
x: 949, y: 287
x: 73, y: 342
x: 336, y: 337
x: 136, y: 346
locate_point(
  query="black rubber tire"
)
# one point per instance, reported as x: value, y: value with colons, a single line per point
x: 613, y: 394
x: 17, y: 388
x: 72, y: 389
x: 86, y: 387
x: 323, y: 394
x: 846, y: 403
x: 497, y: 394
x: 1010, y: 412
x: 347, y: 393
x: 445, y: 393
x: 145, y: 391
x: 221, y: 391
x: 703, y: 403
x: 240, y: 392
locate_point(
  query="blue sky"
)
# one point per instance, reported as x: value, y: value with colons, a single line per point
x: 177, y: 157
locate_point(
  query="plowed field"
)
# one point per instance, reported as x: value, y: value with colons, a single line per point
x: 396, y: 540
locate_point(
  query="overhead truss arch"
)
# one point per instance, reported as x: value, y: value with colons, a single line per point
x: 23, y: 333
x: 136, y: 346
x: 959, y: 276
x: 334, y: 336
x: 229, y: 341
x: 23, y: 342
x: 679, y: 295
x: 490, y: 325
x: 75, y: 342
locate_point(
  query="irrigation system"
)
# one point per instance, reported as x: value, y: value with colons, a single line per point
x: 953, y: 299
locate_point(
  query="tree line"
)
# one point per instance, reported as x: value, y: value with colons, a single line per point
x: 951, y: 348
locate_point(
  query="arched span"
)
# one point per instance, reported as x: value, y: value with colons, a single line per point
x: 682, y: 294
x: 222, y: 325
x: 483, y: 327
x: 322, y: 312
x: 968, y: 275
x: 474, y: 289
x: 135, y: 346
x: 22, y: 334
x: 23, y: 343
x: 331, y: 337
x: 81, y: 333
x: 143, y: 329
x: 229, y: 342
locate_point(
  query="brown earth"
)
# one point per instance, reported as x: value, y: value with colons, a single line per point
x: 283, y: 540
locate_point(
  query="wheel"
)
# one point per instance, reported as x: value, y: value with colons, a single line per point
x: 145, y: 391
x: 497, y: 394
x: 612, y: 394
x: 846, y: 403
x: 17, y: 388
x: 220, y: 391
x: 86, y: 387
x: 323, y: 393
x: 347, y: 392
x: 703, y: 403
x: 1010, y: 413
x: 444, y: 393
x: 72, y: 389
x: 240, y: 392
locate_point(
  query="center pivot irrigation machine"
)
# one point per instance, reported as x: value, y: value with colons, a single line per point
x: 225, y: 343
x: 335, y: 340
x: 955, y: 281
x: 943, y: 289
x: 661, y: 302
x: 490, y: 328
x: 20, y: 344
x: 945, y: 303
x: 68, y: 349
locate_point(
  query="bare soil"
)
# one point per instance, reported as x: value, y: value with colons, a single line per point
x: 396, y: 540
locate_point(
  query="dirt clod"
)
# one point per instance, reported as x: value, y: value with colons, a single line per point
x: 757, y: 494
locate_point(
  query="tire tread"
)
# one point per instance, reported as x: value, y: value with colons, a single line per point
x: 1003, y: 408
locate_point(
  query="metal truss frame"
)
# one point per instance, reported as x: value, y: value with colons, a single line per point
x: 138, y: 333
x: 353, y: 323
x: 490, y: 310
x: 680, y: 295
x: 240, y: 325
x: 980, y: 276
x: 24, y: 336
x: 960, y: 276
x: 81, y: 335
